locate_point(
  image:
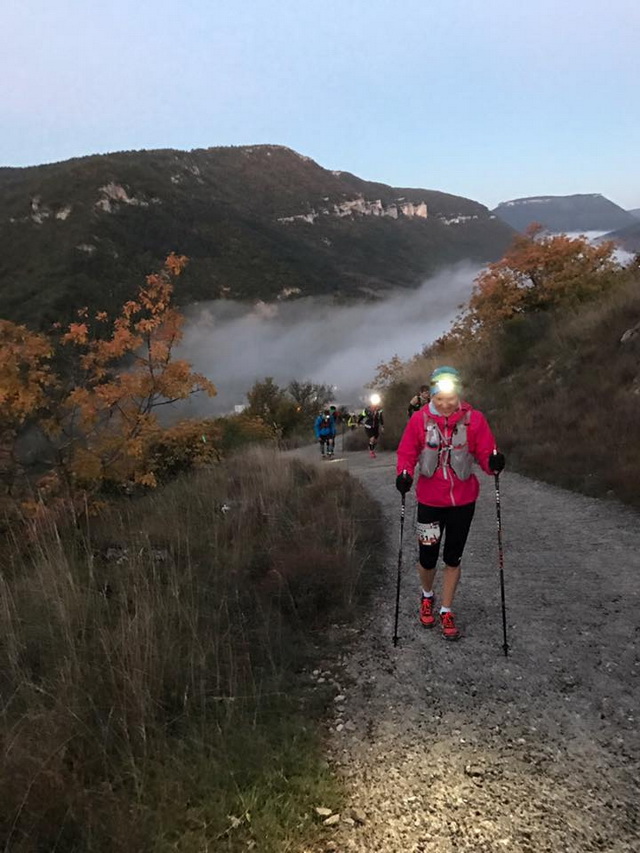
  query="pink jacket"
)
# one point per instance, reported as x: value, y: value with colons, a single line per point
x: 444, y: 488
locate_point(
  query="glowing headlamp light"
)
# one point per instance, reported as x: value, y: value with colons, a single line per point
x: 446, y: 385
x: 375, y: 399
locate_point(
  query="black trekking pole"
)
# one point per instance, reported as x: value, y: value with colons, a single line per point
x: 505, y: 645
x: 395, y: 629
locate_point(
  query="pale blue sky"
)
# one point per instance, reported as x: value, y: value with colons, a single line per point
x: 491, y: 100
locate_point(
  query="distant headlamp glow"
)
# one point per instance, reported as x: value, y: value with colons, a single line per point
x: 375, y: 399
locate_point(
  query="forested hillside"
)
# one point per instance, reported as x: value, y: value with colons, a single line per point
x: 259, y: 222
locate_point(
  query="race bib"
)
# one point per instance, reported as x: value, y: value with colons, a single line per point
x: 428, y: 533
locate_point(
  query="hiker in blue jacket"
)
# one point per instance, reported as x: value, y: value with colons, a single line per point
x: 325, y: 430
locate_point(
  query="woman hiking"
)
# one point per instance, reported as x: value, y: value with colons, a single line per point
x: 443, y: 439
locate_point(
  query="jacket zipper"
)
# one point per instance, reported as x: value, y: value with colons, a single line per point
x: 444, y: 470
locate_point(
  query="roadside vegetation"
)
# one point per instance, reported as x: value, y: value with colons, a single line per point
x: 164, y: 593
x: 152, y: 664
x: 549, y: 348
x: 289, y: 412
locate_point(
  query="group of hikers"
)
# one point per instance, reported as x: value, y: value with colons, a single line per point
x: 327, y: 422
x: 443, y: 437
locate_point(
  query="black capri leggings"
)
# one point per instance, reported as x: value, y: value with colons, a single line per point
x: 434, y: 521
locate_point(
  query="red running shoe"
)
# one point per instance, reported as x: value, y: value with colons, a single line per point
x: 448, y: 625
x: 426, y: 612
x: 372, y: 454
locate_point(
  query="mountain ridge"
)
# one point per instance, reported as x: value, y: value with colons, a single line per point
x: 578, y: 212
x: 257, y: 222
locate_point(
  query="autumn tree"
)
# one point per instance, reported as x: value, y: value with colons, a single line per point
x: 388, y: 372
x: 538, y: 272
x: 26, y: 379
x: 98, y: 412
x: 309, y: 396
x: 270, y: 402
x: 290, y: 409
x: 265, y: 398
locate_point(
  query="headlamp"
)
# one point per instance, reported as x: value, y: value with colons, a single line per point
x: 375, y: 399
x: 446, y: 385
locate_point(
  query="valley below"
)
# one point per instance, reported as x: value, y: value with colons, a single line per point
x: 316, y: 338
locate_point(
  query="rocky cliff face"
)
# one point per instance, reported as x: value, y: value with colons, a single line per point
x: 257, y: 222
x: 363, y: 207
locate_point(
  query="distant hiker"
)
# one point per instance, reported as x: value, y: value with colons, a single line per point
x: 373, y: 421
x: 443, y: 440
x: 325, y: 430
x: 421, y: 399
x: 352, y: 420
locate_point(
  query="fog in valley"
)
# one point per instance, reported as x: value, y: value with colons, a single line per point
x: 313, y: 338
x: 622, y: 256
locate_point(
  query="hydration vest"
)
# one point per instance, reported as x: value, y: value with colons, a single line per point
x: 415, y: 407
x: 440, y: 451
x: 372, y: 418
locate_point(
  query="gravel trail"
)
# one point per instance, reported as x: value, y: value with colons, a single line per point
x: 451, y: 747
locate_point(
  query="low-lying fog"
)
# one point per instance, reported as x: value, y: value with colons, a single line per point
x: 621, y: 255
x: 235, y: 344
x: 313, y: 338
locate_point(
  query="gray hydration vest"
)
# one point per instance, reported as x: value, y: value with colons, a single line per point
x: 440, y: 451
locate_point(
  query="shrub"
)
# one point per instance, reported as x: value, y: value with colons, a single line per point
x: 290, y: 412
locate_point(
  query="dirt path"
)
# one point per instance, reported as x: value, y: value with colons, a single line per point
x: 452, y: 747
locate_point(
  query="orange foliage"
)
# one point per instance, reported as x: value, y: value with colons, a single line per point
x: 186, y: 445
x: 25, y: 381
x: 25, y: 372
x: 538, y: 272
x: 388, y: 372
x: 99, y: 418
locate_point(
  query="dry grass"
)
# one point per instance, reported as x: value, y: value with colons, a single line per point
x: 148, y: 665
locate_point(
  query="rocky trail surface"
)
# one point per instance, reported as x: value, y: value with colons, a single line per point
x: 453, y: 748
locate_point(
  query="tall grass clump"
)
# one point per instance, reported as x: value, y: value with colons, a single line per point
x: 150, y: 666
